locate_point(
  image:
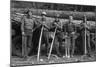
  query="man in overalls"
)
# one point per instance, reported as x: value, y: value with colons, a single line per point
x: 56, y: 26
x: 85, y: 33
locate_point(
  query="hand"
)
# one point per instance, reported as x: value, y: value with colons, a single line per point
x: 73, y: 33
x: 44, y: 24
x: 85, y: 25
x: 23, y: 33
x: 55, y: 23
x: 33, y: 30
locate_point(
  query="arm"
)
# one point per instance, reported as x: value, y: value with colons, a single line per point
x: 22, y: 25
x: 35, y: 24
x: 42, y: 23
x: 57, y: 25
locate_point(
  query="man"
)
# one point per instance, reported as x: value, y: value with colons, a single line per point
x: 69, y: 30
x: 45, y: 36
x: 85, y: 33
x: 28, y: 23
x: 55, y: 25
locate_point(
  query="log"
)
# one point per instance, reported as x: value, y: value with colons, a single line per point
x: 63, y: 14
x: 50, y: 19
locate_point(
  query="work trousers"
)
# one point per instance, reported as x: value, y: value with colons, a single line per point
x: 26, y: 42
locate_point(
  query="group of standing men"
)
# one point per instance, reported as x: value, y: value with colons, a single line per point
x: 69, y: 30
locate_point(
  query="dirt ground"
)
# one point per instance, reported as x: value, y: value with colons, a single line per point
x: 32, y: 60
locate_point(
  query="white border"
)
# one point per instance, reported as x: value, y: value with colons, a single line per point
x: 81, y: 2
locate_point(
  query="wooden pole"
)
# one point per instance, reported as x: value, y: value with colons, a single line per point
x: 38, y: 56
x: 85, y: 20
x: 52, y: 44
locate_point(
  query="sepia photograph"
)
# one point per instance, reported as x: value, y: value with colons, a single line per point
x: 44, y: 33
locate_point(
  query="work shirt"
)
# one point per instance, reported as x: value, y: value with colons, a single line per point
x: 69, y: 28
x: 54, y: 25
x: 28, y: 23
x: 84, y: 26
x: 44, y: 22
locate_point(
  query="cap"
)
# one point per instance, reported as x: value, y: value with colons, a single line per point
x: 28, y: 11
x: 58, y: 15
x: 44, y: 13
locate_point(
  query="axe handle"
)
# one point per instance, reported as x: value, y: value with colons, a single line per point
x: 85, y: 42
x: 52, y: 44
x: 38, y: 55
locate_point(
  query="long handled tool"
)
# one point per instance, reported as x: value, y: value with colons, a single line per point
x: 85, y: 36
x: 38, y: 55
x: 52, y: 44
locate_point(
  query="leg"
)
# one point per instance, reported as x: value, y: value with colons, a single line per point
x: 46, y: 38
x: 66, y: 48
x: 30, y: 40
x: 24, y: 46
x: 83, y: 42
x: 69, y: 43
x: 73, y: 47
x: 56, y: 45
x: 29, y: 43
x: 89, y: 46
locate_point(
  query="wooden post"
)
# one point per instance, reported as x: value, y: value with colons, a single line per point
x: 38, y: 56
x: 52, y: 44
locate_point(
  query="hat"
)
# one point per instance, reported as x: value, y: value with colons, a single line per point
x: 26, y: 12
x: 58, y: 15
x: 70, y: 18
x: 44, y: 13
